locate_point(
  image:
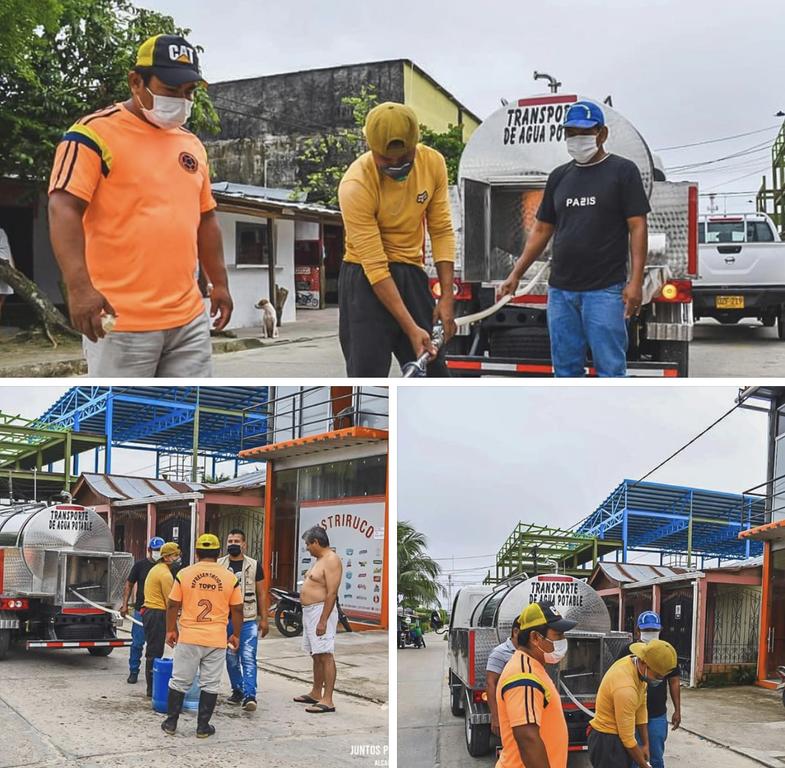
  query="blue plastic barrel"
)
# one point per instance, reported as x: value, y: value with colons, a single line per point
x: 162, y: 673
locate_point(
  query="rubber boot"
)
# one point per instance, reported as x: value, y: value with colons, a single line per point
x: 174, y: 706
x: 206, y: 707
x: 148, y: 673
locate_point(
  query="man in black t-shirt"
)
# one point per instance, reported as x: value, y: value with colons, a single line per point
x: 595, y: 210
x: 136, y: 578
x: 241, y: 664
x: 647, y: 629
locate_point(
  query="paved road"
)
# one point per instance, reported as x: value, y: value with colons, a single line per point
x: 66, y: 709
x: 745, y: 350
x: 430, y: 737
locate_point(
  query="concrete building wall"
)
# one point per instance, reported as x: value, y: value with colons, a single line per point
x: 434, y: 107
x: 247, y: 283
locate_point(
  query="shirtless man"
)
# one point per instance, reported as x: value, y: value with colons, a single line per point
x: 319, y: 596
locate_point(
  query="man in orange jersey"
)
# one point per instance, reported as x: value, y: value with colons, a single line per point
x: 132, y: 219
x: 204, y: 594
x: 531, y: 720
x: 387, y: 197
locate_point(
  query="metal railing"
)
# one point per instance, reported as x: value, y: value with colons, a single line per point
x: 308, y: 411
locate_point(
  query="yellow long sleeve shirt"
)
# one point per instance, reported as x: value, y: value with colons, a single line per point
x: 385, y: 219
x: 621, y: 702
x: 157, y: 586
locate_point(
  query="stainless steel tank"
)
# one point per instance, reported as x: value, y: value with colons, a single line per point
x: 51, y: 550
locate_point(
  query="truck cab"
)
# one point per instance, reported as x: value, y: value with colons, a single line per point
x: 742, y: 270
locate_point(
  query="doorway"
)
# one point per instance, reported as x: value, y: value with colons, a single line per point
x: 177, y: 529
x: 775, y: 631
x: 676, y: 616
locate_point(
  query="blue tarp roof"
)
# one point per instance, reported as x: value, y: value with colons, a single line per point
x: 163, y: 417
x: 656, y: 517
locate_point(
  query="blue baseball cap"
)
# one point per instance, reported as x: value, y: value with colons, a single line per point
x: 649, y: 620
x: 155, y: 543
x: 584, y: 114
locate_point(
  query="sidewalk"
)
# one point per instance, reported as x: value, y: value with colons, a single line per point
x: 745, y: 719
x: 360, y: 657
x: 32, y: 355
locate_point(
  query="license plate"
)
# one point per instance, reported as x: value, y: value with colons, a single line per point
x: 729, y: 302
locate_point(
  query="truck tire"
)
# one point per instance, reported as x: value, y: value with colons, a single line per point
x: 456, y: 697
x: 675, y: 352
x: 99, y: 651
x: 478, y: 737
x: 5, y: 642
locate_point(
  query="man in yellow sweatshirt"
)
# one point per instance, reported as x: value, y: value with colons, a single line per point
x: 621, y: 706
x: 388, y: 197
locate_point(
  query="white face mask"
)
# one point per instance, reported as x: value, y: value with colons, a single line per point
x: 156, y: 555
x: 558, y: 653
x: 582, y: 148
x: 168, y: 112
x: 647, y: 637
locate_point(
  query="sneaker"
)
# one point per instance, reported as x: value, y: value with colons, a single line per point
x: 249, y: 704
x: 132, y: 677
x: 236, y: 698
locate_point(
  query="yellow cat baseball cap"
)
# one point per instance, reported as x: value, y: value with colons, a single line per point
x: 658, y: 655
x: 170, y: 58
x: 391, y: 122
x: 543, y: 613
x: 170, y: 548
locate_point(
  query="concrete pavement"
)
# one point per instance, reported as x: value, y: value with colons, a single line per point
x: 66, y: 709
x: 429, y: 736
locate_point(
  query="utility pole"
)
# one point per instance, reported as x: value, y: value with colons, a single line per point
x: 449, y: 591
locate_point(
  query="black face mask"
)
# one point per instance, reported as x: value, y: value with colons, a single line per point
x: 234, y: 550
x: 398, y: 172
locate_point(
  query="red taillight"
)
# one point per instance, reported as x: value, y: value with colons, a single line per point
x: 478, y: 697
x: 13, y: 604
x: 675, y: 292
x: 461, y: 291
x: 692, y: 231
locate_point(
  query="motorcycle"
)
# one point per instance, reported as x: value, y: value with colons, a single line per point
x: 288, y: 613
x: 781, y: 685
x: 437, y: 625
x: 410, y: 634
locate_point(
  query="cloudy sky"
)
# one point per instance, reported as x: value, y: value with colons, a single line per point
x: 32, y: 402
x: 683, y: 72
x: 473, y: 462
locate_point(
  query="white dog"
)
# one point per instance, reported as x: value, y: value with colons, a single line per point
x: 269, y: 319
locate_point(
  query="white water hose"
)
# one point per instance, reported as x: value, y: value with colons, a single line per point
x: 116, y: 614
x: 575, y: 701
x: 418, y: 366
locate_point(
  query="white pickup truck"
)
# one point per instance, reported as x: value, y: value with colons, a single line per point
x: 742, y: 270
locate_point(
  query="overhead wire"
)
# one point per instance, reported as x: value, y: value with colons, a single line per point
x: 716, y: 141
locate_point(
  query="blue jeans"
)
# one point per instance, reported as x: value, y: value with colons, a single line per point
x: 581, y: 320
x: 137, y: 644
x: 658, y: 733
x: 242, y: 663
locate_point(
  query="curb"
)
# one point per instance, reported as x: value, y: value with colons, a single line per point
x: 265, y: 667
x: 78, y: 366
x: 773, y: 763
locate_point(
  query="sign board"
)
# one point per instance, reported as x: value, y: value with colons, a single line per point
x: 356, y: 533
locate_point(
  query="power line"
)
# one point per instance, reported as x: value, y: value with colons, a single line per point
x: 755, y: 148
x: 739, y: 178
x: 687, y: 445
x: 715, y: 141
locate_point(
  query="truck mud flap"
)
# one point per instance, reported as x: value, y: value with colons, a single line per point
x: 465, y: 366
x: 65, y: 644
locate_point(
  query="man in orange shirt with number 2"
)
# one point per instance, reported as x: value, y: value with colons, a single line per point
x: 204, y: 594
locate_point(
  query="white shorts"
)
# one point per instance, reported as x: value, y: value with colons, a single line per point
x: 313, y: 643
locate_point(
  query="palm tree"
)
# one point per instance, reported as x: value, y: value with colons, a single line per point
x: 417, y: 571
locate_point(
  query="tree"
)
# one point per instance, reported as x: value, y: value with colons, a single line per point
x: 19, y: 20
x: 326, y: 158
x: 417, y: 571
x: 64, y: 70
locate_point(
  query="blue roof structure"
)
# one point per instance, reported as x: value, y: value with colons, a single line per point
x: 656, y: 517
x: 164, y: 419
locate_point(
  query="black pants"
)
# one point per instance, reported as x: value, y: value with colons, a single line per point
x: 369, y: 334
x: 154, y: 622
x: 607, y: 751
